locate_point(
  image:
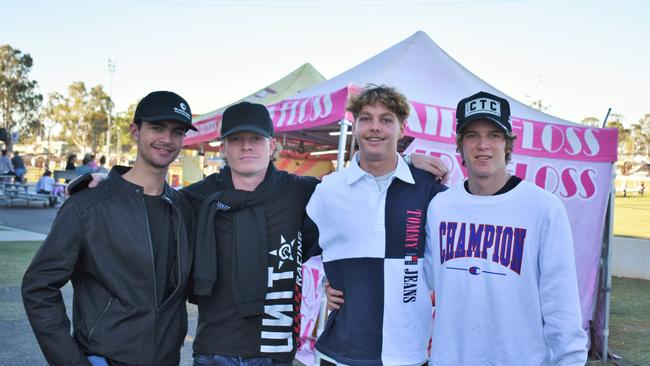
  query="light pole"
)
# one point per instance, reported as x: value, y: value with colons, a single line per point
x: 111, y: 71
x: 49, y: 124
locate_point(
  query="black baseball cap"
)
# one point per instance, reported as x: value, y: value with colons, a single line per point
x: 246, y: 116
x: 164, y: 106
x: 486, y: 106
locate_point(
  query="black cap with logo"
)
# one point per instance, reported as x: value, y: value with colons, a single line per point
x: 486, y: 106
x: 246, y: 116
x: 164, y: 106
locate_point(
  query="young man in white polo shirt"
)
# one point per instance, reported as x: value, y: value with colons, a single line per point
x: 502, y: 256
x: 371, y: 218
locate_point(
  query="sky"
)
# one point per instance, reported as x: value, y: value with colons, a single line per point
x: 580, y: 57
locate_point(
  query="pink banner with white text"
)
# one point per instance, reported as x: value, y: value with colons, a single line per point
x: 207, y: 130
x: 582, y: 187
x: 435, y: 123
x: 303, y: 113
x: 288, y: 115
x: 534, y: 138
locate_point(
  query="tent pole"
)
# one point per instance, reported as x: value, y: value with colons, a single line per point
x: 342, y: 138
x: 607, y: 268
x: 606, y: 117
x: 353, y: 141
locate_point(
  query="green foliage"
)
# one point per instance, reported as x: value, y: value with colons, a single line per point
x: 19, y: 101
x: 83, y: 114
x: 591, y: 121
x: 121, y: 133
x: 625, y: 141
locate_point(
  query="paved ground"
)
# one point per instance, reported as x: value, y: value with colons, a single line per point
x: 17, y: 343
x: 36, y: 219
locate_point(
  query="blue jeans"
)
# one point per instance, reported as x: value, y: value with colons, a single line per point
x: 218, y: 360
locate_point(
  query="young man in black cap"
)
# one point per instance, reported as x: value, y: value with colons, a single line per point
x: 501, y: 250
x: 251, y: 221
x: 126, y: 248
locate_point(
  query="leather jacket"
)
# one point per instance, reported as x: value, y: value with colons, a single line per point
x: 100, y: 241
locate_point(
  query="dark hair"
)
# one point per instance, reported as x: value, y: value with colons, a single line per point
x: 4, y: 152
x: 47, y: 173
x: 87, y: 159
x: 71, y: 157
x: 372, y: 94
x: 102, y: 160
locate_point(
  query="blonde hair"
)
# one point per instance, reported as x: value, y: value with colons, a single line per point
x: 372, y: 94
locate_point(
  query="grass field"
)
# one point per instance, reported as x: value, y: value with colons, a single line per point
x: 632, y: 216
x: 14, y: 259
x: 630, y: 321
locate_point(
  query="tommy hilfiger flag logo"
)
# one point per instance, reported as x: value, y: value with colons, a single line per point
x: 411, y: 260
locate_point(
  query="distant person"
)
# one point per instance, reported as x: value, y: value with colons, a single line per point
x: 19, y: 166
x: 641, y: 189
x: 86, y: 165
x: 93, y: 162
x: 46, y: 185
x: 6, y: 168
x: 70, y: 163
x: 102, y: 165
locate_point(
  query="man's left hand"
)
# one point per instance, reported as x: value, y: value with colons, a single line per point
x: 432, y: 165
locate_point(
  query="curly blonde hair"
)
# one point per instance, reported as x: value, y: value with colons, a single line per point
x: 372, y: 94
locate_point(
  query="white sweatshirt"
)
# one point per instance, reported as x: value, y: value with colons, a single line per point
x: 505, y: 280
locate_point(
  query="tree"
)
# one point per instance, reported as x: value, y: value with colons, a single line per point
x: 625, y: 141
x: 83, y: 115
x: 591, y: 121
x: 539, y: 105
x: 19, y: 100
x: 640, y: 140
x: 121, y: 133
x: 97, y: 113
x: 644, y: 122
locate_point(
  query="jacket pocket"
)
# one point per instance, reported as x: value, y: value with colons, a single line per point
x: 99, y: 319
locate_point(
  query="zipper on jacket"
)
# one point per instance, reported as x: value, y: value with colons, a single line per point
x: 153, y: 265
x: 178, y: 250
x: 99, y: 318
x: 155, y: 292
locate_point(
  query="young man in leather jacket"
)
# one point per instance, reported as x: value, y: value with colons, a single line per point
x: 125, y: 246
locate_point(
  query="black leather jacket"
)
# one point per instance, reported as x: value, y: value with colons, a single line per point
x: 100, y: 241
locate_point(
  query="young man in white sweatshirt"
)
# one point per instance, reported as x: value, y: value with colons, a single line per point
x: 501, y: 250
